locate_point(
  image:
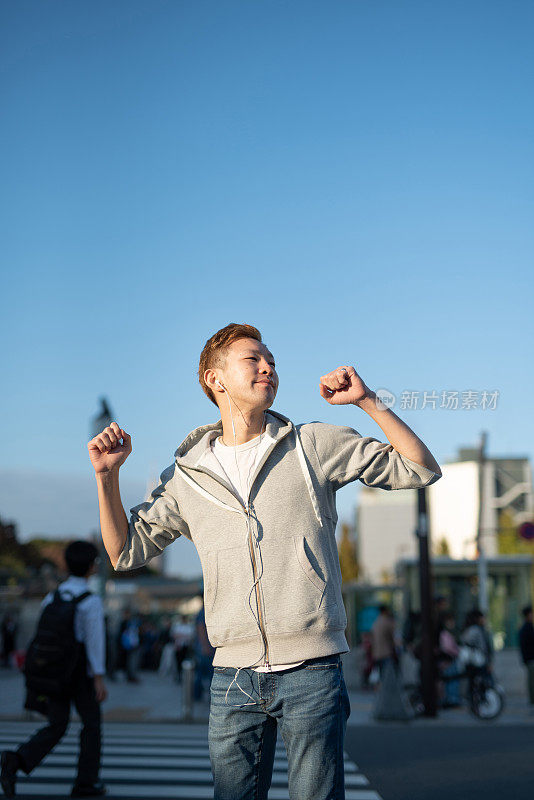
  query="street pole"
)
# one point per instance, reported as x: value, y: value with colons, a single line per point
x: 100, y: 421
x: 482, y: 564
x: 428, y: 683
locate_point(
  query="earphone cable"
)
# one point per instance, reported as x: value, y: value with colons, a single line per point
x: 246, y: 503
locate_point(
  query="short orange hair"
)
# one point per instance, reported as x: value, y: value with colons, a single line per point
x: 213, y: 354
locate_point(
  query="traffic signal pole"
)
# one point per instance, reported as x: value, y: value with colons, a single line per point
x: 482, y: 564
x: 428, y: 683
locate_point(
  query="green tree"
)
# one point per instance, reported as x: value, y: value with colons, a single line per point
x: 508, y: 538
x: 442, y: 547
x: 348, y: 557
x: 386, y: 576
x: 13, y: 567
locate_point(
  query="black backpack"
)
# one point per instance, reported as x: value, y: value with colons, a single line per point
x: 54, y: 655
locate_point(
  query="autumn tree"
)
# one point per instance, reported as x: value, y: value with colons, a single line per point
x: 509, y: 540
x: 442, y: 547
x: 348, y: 558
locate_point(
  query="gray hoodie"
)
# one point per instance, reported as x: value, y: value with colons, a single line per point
x: 272, y: 588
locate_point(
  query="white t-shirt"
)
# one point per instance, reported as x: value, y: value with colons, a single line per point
x: 239, y: 463
x: 248, y: 456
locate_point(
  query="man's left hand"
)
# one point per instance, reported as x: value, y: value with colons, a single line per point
x: 343, y: 386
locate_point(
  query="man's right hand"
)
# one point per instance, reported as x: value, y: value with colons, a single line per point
x: 105, y: 450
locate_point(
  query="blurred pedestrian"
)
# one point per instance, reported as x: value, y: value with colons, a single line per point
x: 167, y: 662
x: 526, y: 645
x: 128, y: 645
x: 476, y: 635
x: 111, y: 649
x: 392, y: 702
x: 165, y: 635
x: 9, y: 636
x: 183, y: 637
x: 411, y: 631
x: 367, y: 662
x: 448, y: 664
x: 384, y: 648
x: 440, y: 609
x: 147, y: 645
x: 86, y: 686
x: 441, y: 605
x: 203, y: 652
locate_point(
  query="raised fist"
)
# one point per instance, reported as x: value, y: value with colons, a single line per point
x: 106, y: 451
x: 343, y: 386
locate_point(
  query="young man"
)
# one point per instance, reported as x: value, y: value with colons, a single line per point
x: 88, y: 688
x: 256, y: 496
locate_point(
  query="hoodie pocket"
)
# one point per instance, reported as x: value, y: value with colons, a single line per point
x: 229, y: 585
x: 293, y: 585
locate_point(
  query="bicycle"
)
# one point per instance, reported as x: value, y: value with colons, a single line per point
x: 485, y: 698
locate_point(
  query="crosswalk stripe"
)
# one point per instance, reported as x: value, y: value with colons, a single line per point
x: 72, y: 733
x: 133, y: 739
x: 66, y: 759
x: 163, y: 763
x: 112, y: 775
x: 174, y: 730
x: 118, y: 750
x: 182, y: 792
x: 69, y: 746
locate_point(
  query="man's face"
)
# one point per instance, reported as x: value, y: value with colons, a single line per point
x: 249, y: 374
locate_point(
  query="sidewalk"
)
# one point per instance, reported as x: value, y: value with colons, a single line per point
x: 154, y: 699
x: 508, y: 672
x: 516, y: 712
x: 158, y: 699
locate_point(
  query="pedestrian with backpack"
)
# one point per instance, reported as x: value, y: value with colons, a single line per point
x: 65, y: 663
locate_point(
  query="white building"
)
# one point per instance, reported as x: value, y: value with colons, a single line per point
x: 386, y: 520
x: 385, y: 526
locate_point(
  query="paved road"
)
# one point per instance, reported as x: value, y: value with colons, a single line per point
x: 405, y: 762
x: 149, y: 760
x: 454, y: 755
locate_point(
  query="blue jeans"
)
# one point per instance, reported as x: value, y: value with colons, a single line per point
x: 311, y: 705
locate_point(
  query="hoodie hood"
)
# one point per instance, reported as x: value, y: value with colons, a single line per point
x: 192, y: 450
x: 194, y: 446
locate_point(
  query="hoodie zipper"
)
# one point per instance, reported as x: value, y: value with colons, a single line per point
x: 258, y: 598
x: 257, y: 580
x: 194, y: 485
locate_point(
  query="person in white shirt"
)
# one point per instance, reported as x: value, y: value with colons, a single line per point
x: 88, y: 689
x: 183, y: 635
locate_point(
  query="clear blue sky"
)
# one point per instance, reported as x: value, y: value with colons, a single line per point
x: 355, y: 178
